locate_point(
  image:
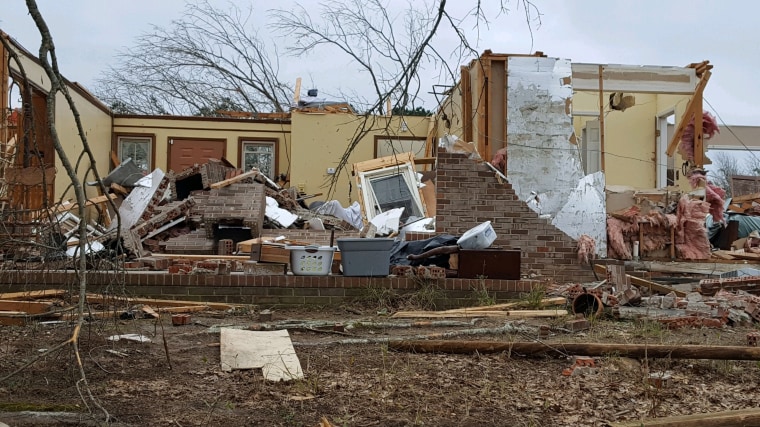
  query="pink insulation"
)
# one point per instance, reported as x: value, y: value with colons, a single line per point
x: 709, y: 129
x: 691, y: 234
x: 499, y: 160
x: 586, y: 249
x: 714, y: 195
x: 620, y: 235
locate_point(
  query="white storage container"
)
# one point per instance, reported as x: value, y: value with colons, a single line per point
x: 311, y: 260
x: 478, y: 237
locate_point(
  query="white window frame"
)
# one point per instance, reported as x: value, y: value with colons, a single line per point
x: 371, y: 204
x: 272, y: 144
x: 136, y: 139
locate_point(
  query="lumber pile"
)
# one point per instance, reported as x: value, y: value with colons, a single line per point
x: 22, y: 308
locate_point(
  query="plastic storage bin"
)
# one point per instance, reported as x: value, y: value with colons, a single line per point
x: 311, y: 260
x: 365, y: 257
x: 478, y: 237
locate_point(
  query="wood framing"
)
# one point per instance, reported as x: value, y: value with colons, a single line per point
x: 635, y: 79
x: 691, y: 108
x: 466, y: 91
x: 601, y: 117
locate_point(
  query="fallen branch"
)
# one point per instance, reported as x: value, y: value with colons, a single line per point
x: 581, y: 349
x: 507, y: 328
x: 742, y: 417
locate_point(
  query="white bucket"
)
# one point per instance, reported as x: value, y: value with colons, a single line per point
x: 478, y: 237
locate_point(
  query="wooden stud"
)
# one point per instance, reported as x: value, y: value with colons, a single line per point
x: 466, y: 91
x: 601, y: 118
x: 297, y: 92
x: 688, y: 114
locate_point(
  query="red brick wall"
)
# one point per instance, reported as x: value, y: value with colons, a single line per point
x: 237, y: 288
x: 469, y: 193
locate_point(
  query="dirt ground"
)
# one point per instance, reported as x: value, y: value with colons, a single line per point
x: 359, y: 384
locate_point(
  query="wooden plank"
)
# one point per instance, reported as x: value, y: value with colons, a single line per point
x: 601, y: 117
x: 29, y: 307
x: 466, y: 91
x: 739, y: 417
x: 662, y: 289
x: 745, y: 198
x: 183, y: 309
x: 688, y: 114
x: 105, y: 299
x: 27, y: 295
x: 544, y: 303
x: 635, y: 78
x: 384, y: 162
x: 203, y: 257
x: 115, y: 159
x: 516, y: 314
x: 235, y: 179
x: 13, y: 318
x: 297, y: 92
x: 90, y: 202
x: 699, y: 148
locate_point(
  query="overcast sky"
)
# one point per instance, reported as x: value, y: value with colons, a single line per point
x: 87, y: 33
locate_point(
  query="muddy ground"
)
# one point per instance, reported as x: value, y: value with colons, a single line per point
x: 359, y: 384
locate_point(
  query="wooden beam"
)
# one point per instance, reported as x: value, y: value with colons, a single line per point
x: 234, y: 179
x: 90, y: 202
x: 601, y: 117
x: 745, y: 198
x: 699, y: 148
x: 384, y: 162
x: 466, y: 91
x: 297, y: 92
x: 531, y: 348
x: 515, y: 314
x: 29, y: 307
x: 688, y: 114
x: 203, y: 257
x: 27, y: 295
x: 635, y: 78
x: 638, y: 281
x: 109, y: 299
x: 115, y: 159
x: 544, y: 303
x: 735, y: 418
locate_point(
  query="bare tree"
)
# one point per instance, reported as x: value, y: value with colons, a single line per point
x: 209, y: 59
x: 389, y: 50
x: 723, y: 168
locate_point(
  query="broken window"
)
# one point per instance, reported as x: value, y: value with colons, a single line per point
x: 137, y: 148
x: 259, y: 155
x: 389, y: 188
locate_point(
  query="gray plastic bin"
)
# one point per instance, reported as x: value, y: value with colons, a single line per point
x: 365, y: 257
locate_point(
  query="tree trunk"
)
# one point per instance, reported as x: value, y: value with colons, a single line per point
x: 583, y: 349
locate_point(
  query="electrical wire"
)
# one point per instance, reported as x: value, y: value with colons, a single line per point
x: 732, y: 131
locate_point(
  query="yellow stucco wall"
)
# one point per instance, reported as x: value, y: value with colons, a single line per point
x: 629, y: 136
x: 96, y: 125
x: 166, y: 128
x: 319, y: 141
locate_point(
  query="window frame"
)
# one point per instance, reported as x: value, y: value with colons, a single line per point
x: 150, y: 138
x: 274, y: 142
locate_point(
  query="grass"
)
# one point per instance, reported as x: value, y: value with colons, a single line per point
x: 532, y: 300
x: 424, y: 296
x: 480, y: 293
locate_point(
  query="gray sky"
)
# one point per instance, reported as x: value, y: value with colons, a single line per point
x: 87, y: 33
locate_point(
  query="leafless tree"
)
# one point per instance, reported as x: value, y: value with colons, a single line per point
x: 209, y: 59
x: 390, y: 50
x: 723, y: 168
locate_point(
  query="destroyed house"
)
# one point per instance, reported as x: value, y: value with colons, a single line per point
x: 586, y: 129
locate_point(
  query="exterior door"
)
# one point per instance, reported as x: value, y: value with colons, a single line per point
x: 185, y: 153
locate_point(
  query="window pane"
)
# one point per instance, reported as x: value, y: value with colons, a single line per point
x: 137, y: 149
x: 393, y: 192
x: 260, y: 156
